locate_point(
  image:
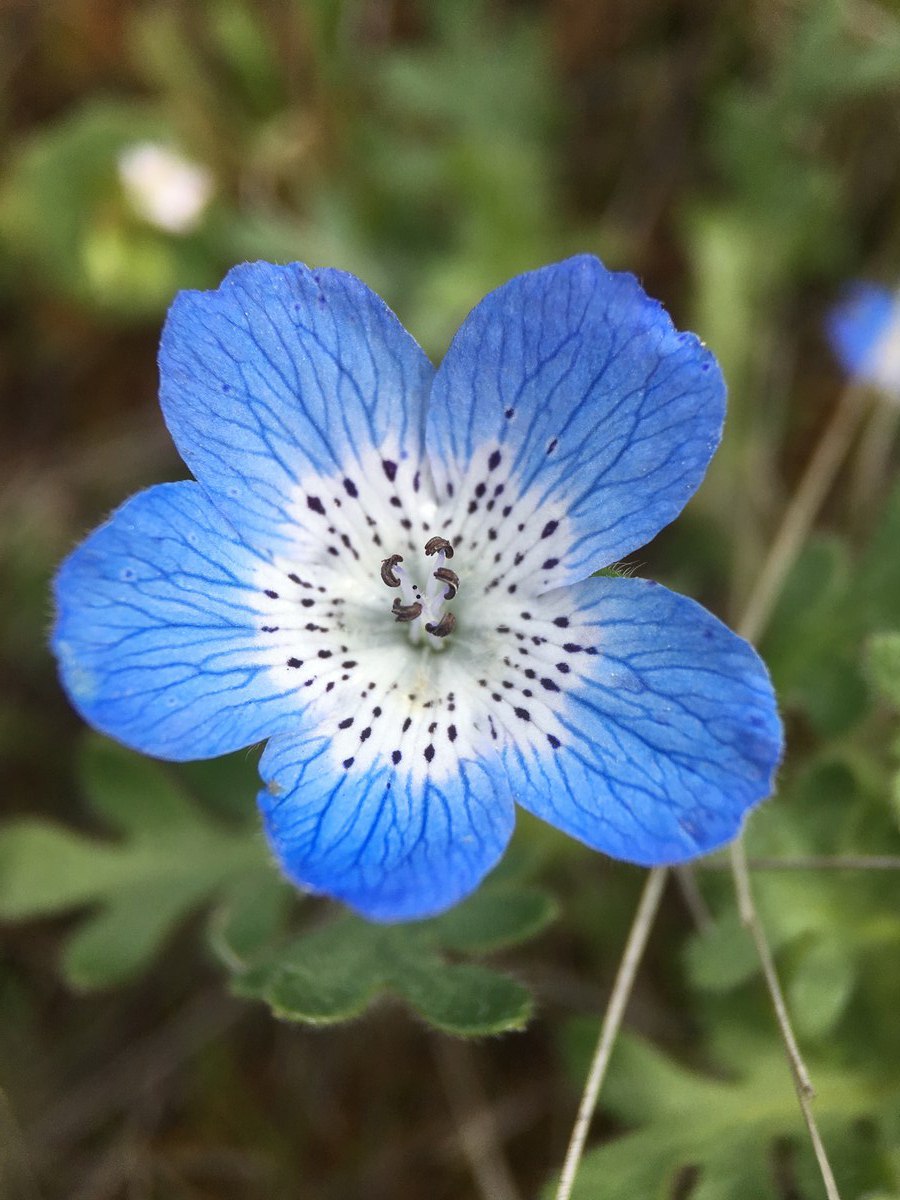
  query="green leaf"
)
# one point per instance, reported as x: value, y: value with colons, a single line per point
x: 329, y: 975
x: 883, y: 665
x: 466, y: 999
x: 821, y: 984
x: 335, y: 971
x: 122, y: 937
x: 723, y: 957
x: 812, y: 645
x: 168, y: 860
x: 494, y: 918
x: 253, y: 914
x: 723, y: 1128
x: 132, y: 794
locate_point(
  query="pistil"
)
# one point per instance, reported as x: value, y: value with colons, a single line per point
x: 423, y: 611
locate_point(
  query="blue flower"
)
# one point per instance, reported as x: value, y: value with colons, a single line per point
x: 864, y: 331
x: 386, y: 571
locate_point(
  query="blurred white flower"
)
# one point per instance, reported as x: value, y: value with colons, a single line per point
x: 167, y: 190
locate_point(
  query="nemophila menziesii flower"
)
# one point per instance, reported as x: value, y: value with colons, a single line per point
x: 864, y: 331
x: 386, y: 570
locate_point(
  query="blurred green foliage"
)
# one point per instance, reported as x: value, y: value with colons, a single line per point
x: 716, y: 1134
x: 744, y: 161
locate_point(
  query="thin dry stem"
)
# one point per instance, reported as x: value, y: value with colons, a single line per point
x: 693, y: 898
x: 798, y: 520
x: 871, y: 466
x: 796, y: 524
x: 802, y: 1083
x: 801, y: 513
x: 750, y: 919
x: 612, y: 1020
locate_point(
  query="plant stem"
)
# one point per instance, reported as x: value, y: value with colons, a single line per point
x: 805, y: 1091
x: 792, y: 533
x: 612, y: 1020
x: 801, y: 512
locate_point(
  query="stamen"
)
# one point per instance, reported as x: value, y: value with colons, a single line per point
x: 436, y: 544
x: 450, y: 578
x: 387, y: 570
x: 446, y: 625
x: 406, y: 612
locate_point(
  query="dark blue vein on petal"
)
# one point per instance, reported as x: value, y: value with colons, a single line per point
x: 600, y: 405
x: 284, y: 372
x: 670, y: 732
x: 158, y: 633
x: 391, y: 845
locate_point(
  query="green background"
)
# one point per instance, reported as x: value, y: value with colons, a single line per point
x: 743, y: 159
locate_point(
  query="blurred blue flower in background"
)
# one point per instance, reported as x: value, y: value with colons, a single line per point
x: 301, y: 590
x: 864, y: 331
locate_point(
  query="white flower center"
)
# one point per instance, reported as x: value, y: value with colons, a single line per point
x: 403, y: 665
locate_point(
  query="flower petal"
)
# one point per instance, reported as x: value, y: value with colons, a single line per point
x: 652, y: 728
x: 575, y: 388
x: 395, y: 842
x: 165, y: 633
x: 283, y: 374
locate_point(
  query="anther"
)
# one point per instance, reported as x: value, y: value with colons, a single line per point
x: 445, y: 625
x: 406, y: 612
x: 450, y: 578
x: 436, y: 544
x: 387, y: 570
